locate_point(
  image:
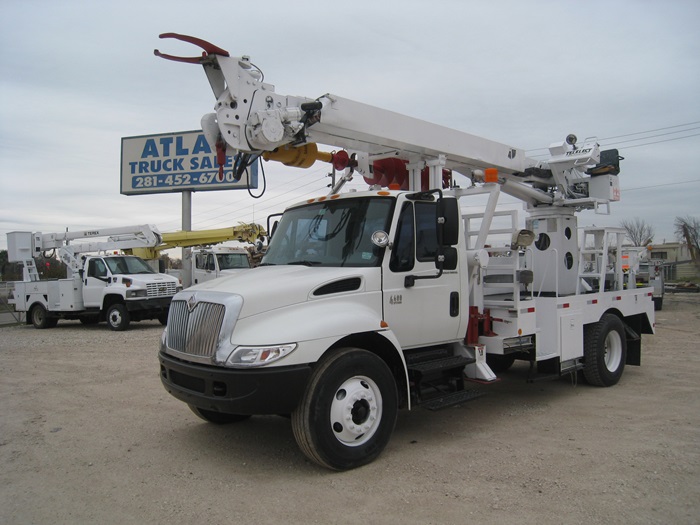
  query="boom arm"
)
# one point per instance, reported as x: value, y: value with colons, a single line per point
x: 29, y: 245
x: 250, y: 119
x: 185, y: 239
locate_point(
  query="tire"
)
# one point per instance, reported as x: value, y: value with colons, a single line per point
x: 348, y: 411
x: 217, y: 418
x: 500, y: 363
x: 40, y: 318
x: 604, y: 351
x: 658, y: 303
x: 118, y: 317
x: 163, y: 318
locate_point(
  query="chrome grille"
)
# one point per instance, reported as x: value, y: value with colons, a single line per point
x: 161, y: 289
x: 195, y: 332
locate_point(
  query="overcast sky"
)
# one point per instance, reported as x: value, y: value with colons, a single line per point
x: 77, y: 76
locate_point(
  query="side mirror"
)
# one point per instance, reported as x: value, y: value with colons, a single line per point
x: 274, y: 227
x: 449, y: 258
x: 448, y: 218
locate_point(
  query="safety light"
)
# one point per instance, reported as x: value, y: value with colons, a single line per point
x: 490, y: 175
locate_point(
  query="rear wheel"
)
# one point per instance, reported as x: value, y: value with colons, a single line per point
x: 218, y: 418
x: 605, y: 351
x: 118, y: 317
x: 500, y: 363
x: 40, y: 318
x: 348, y: 412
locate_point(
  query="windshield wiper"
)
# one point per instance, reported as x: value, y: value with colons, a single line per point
x: 306, y: 263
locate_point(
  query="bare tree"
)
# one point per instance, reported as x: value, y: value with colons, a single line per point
x: 638, y: 231
x: 688, y: 229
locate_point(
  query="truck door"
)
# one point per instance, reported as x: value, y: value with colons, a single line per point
x: 427, y: 312
x: 204, y: 267
x: 94, y: 282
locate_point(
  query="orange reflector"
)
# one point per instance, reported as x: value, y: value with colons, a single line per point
x: 383, y: 193
x: 336, y: 196
x: 520, y: 331
x: 321, y: 199
x: 310, y: 201
x: 490, y: 175
x: 384, y: 324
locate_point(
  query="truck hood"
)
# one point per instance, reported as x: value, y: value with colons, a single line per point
x: 270, y: 287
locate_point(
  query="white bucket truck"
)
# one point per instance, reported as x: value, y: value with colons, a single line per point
x: 101, y: 284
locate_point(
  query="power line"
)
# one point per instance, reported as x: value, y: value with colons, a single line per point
x: 662, y: 185
x: 653, y: 130
x: 660, y: 141
x: 640, y: 133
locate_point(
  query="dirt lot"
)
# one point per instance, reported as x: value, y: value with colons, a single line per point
x: 88, y: 435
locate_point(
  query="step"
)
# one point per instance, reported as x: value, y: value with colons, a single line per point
x: 429, y: 354
x: 448, y: 400
x: 446, y: 363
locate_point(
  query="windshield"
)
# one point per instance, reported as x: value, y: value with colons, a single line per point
x: 331, y: 233
x: 127, y: 265
x: 232, y: 261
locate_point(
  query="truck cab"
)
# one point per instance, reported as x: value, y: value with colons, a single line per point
x: 124, y: 278
x: 212, y: 263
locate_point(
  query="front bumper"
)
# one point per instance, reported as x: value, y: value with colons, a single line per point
x: 154, y: 304
x: 273, y: 390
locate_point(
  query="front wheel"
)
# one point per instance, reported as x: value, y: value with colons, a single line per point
x: 348, y: 412
x: 605, y: 351
x: 118, y: 317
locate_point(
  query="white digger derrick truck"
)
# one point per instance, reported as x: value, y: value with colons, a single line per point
x: 101, y: 283
x: 369, y: 302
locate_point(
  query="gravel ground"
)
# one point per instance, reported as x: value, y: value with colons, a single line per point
x: 89, y: 435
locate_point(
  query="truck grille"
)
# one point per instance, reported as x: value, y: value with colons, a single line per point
x: 161, y: 289
x: 195, y: 332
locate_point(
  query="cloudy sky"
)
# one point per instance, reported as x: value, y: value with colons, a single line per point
x: 77, y: 76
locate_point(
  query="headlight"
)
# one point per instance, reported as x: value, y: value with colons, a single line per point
x: 247, y: 356
x: 136, y: 293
